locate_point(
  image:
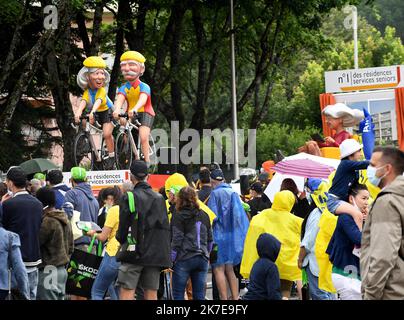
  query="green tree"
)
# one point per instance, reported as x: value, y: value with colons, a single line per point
x: 273, y: 137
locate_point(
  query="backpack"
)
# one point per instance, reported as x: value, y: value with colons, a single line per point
x: 131, y: 246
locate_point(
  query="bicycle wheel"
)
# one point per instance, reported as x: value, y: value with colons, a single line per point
x: 152, y: 151
x: 123, y: 151
x: 104, y: 154
x: 83, y: 155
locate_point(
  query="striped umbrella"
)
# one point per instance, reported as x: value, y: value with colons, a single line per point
x: 303, y: 168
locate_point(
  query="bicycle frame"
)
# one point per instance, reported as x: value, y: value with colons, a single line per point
x: 128, y: 129
x: 87, y: 131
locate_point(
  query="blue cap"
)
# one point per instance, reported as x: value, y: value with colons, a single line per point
x: 217, y: 174
x: 313, y: 183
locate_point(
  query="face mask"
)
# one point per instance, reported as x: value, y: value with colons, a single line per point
x: 371, y: 173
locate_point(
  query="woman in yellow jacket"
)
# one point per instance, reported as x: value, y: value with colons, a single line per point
x: 284, y: 226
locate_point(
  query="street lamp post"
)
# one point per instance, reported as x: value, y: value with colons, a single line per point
x: 233, y: 94
x: 355, y: 35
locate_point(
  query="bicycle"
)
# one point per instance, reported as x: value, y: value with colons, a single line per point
x: 86, y: 154
x: 127, y: 145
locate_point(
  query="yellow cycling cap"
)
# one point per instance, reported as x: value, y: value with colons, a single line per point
x: 133, y: 55
x: 95, y: 62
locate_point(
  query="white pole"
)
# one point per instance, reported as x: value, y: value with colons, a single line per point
x: 233, y: 94
x: 355, y: 35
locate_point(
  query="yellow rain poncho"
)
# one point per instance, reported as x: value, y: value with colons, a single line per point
x: 284, y: 226
x: 327, y: 225
x: 177, y: 179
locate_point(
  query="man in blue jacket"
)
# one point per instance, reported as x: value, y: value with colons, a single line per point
x: 22, y: 214
x: 81, y: 199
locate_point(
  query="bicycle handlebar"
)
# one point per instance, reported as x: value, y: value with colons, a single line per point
x: 86, y: 117
x: 126, y: 116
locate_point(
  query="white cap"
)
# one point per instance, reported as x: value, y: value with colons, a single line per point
x: 350, y: 117
x: 349, y: 147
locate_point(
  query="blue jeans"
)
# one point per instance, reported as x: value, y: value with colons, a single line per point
x: 333, y: 202
x: 196, y: 268
x: 33, y: 284
x: 105, y: 280
x: 315, y: 292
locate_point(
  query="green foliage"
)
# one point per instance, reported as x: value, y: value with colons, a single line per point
x: 375, y: 50
x: 282, y: 137
x: 27, y: 137
x: 383, y: 13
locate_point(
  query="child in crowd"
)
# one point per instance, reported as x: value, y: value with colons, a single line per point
x: 345, y: 176
x: 264, y: 278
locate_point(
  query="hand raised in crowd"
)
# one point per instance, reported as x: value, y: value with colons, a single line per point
x: 302, y: 195
x: 6, y: 197
x: 365, y: 212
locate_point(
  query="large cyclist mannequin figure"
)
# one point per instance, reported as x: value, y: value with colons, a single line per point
x: 137, y: 96
x: 93, y: 78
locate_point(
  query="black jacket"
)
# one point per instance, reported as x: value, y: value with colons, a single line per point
x: 302, y: 208
x: 191, y: 234
x: 204, y: 193
x: 153, y: 230
x: 259, y: 204
x: 264, y: 278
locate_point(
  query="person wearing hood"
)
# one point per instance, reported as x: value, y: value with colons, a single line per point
x: 286, y: 227
x: 264, y: 278
x: 81, y: 199
x: 191, y: 245
x: 56, y: 241
x: 382, y: 245
x: 229, y: 232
